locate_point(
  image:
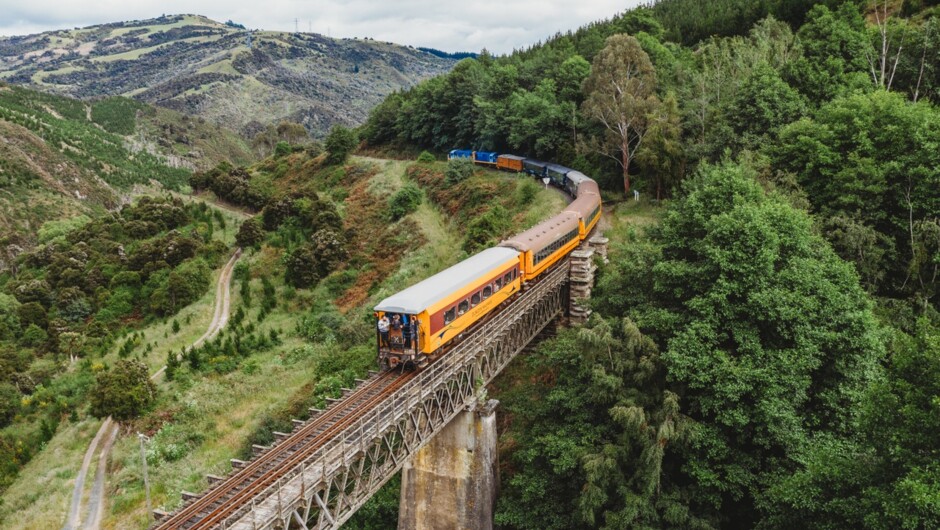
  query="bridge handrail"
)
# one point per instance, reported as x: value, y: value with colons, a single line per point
x: 342, y: 448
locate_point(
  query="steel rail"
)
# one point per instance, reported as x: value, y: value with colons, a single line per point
x: 187, y: 512
x: 339, y: 450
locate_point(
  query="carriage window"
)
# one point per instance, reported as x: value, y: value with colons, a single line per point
x: 487, y: 292
x: 498, y: 283
x: 463, y: 307
x: 475, y: 299
x: 450, y: 315
x: 507, y: 278
x: 514, y: 274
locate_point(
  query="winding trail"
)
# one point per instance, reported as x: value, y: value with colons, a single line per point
x: 95, y: 513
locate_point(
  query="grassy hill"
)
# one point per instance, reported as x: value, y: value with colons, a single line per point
x: 61, y: 157
x: 193, y: 64
x: 323, y: 333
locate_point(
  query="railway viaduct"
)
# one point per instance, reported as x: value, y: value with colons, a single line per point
x: 432, y: 424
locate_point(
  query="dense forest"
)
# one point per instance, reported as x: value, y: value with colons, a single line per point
x: 766, y: 354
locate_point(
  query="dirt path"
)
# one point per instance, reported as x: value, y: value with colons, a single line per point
x: 73, y: 521
x: 96, y: 499
x: 222, y: 302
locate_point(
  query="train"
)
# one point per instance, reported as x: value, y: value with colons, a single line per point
x: 417, y: 324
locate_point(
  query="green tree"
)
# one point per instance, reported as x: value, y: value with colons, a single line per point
x: 250, y: 233
x: 301, y: 267
x: 834, y: 49
x: 620, y: 95
x: 770, y: 338
x: 538, y: 123
x: 661, y: 153
x: 570, y: 76
x: 762, y: 105
x: 9, y: 403
x: 888, y: 475
x: 873, y: 158
x: 339, y: 144
x: 124, y: 391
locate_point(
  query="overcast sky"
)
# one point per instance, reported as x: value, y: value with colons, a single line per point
x: 450, y: 25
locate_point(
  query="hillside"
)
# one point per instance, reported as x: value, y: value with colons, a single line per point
x: 61, y: 157
x: 292, y: 340
x: 765, y: 354
x: 198, y: 66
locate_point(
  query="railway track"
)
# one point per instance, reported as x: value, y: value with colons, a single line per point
x: 228, y: 496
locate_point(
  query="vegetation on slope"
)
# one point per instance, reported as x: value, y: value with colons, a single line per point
x: 286, y: 347
x: 751, y: 362
x: 221, y: 72
x: 68, y: 303
x: 62, y: 158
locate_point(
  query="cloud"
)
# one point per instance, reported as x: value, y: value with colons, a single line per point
x: 498, y: 25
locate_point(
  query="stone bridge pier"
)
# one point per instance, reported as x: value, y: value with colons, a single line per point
x: 451, y: 483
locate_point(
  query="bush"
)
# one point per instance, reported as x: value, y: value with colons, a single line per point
x: 484, y: 230
x: 301, y: 267
x: 250, y: 234
x: 329, y: 250
x: 526, y: 192
x: 33, y: 313
x: 457, y: 171
x: 339, y: 143
x: 405, y: 201
x: 123, y: 392
x: 53, y: 229
x: 281, y: 149
x: 9, y: 317
x: 426, y: 158
x: 9, y: 403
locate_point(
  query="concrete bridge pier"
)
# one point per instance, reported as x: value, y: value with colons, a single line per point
x: 451, y: 483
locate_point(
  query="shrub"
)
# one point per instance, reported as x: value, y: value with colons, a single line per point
x: 457, y: 171
x: 484, y: 230
x: 339, y: 144
x: 9, y: 317
x: 405, y: 201
x: 281, y: 149
x: 250, y: 234
x: 123, y: 392
x: 426, y: 158
x: 53, y: 229
x: 526, y: 192
x: 301, y: 267
x: 33, y: 313
x: 9, y: 403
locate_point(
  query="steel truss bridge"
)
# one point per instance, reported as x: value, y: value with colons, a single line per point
x: 318, y: 475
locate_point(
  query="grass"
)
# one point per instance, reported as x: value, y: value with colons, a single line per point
x: 203, y: 420
x: 39, y: 77
x: 41, y: 495
x: 137, y: 53
x: 223, y: 67
x: 223, y: 410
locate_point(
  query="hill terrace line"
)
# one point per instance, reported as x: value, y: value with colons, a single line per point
x: 428, y: 422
